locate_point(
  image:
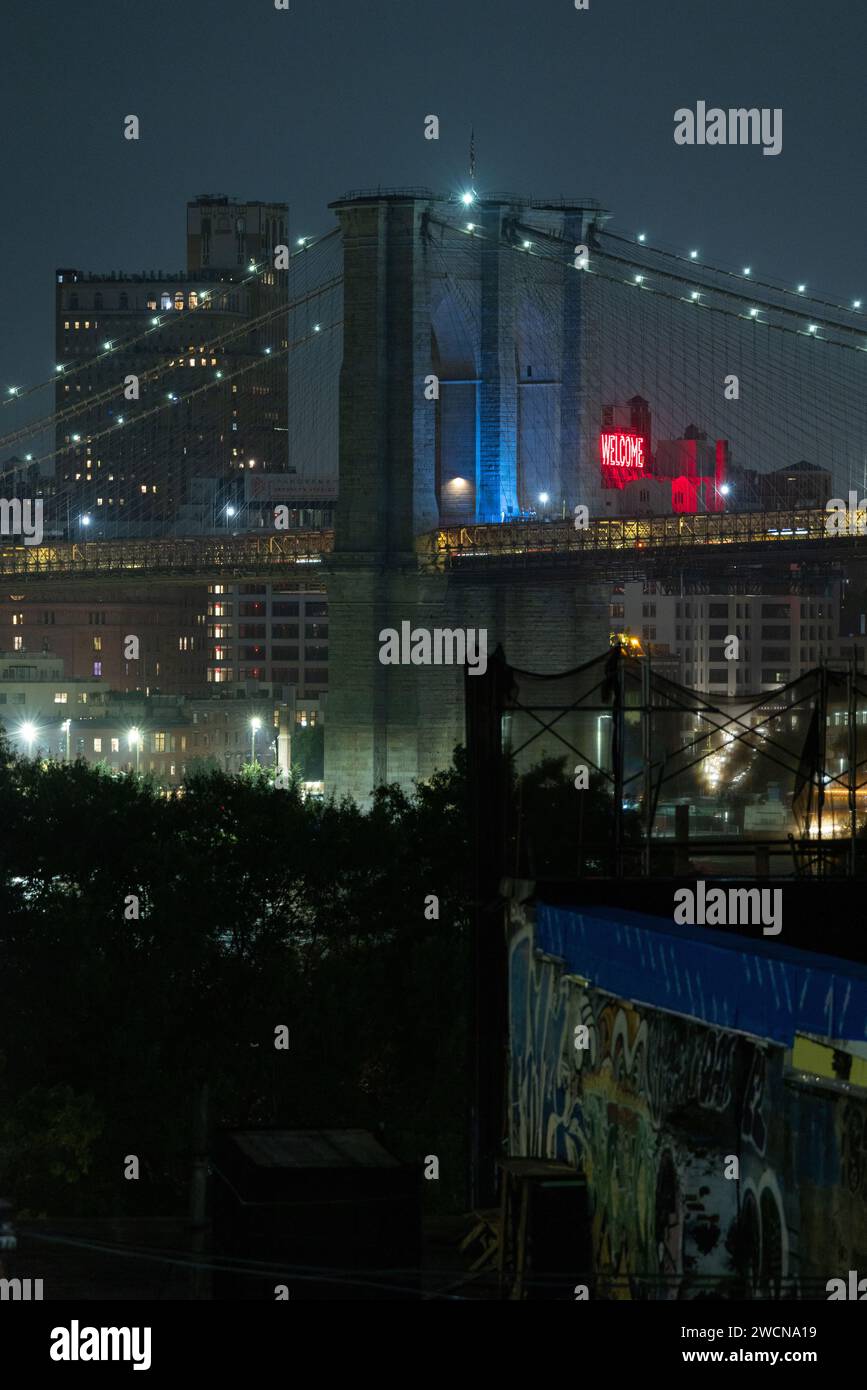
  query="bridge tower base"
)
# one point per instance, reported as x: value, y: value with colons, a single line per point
x: 402, y: 723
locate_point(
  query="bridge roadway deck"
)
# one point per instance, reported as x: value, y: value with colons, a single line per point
x: 609, y: 547
x: 194, y: 559
x: 617, y: 547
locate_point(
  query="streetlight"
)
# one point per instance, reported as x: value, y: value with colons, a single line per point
x: 66, y: 726
x: 230, y: 512
x: 255, y: 726
x: 28, y: 732
x: 134, y: 740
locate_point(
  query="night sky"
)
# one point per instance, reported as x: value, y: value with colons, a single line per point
x: 237, y: 97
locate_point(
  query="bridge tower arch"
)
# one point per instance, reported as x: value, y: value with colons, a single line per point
x: 424, y: 295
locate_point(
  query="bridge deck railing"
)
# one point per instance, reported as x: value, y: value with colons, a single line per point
x: 454, y: 543
x: 182, y: 555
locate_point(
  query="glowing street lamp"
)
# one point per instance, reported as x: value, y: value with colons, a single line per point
x: 134, y: 740
x: 28, y: 733
x: 255, y: 726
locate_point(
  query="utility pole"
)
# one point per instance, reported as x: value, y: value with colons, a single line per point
x: 489, y: 786
x: 853, y: 765
x: 647, y: 751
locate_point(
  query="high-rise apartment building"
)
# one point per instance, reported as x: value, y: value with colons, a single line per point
x: 260, y: 634
x: 164, y: 379
x: 90, y: 636
x: 779, y: 636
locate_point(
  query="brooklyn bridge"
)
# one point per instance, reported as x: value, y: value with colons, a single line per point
x: 451, y: 363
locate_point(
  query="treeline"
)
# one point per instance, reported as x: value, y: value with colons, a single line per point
x: 150, y: 946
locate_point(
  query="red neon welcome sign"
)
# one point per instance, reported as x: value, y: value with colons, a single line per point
x: 622, y: 450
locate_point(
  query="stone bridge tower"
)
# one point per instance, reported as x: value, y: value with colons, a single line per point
x: 502, y: 332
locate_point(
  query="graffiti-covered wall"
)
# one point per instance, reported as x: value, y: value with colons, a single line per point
x: 655, y: 1108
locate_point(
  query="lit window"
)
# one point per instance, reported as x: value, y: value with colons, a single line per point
x: 165, y: 301
x: 87, y: 323
x: 179, y: 299
x: 77, y: 324
x: 159, y: 743
x: 151, y: 304
x: 115, y: 745
x: 17, y: 619
x: 193, y: 299
x: 191, y: 361
x: 17, y: 644
x: 144, y: 487
x: 66, y: 323
x: 61, y: 697
x: 97, y: 668
x: 97, y: 745
x: 97, y: 644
